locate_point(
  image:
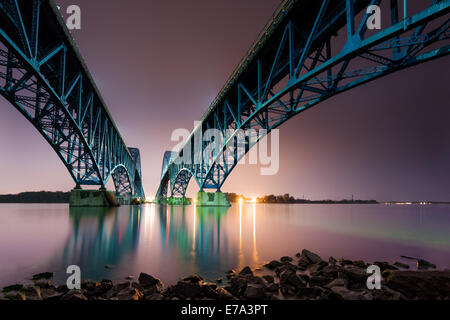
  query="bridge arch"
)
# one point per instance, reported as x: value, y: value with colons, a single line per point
x: 43, y: 75
x: 297, y: 63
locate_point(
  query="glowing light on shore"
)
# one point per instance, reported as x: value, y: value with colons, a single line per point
x: 254, y: 200
x: 241, y: 201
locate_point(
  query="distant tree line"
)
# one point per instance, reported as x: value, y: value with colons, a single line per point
x: 287, y: 198
x: 36, y: 197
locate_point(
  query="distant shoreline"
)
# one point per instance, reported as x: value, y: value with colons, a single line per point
x: 60, y: 197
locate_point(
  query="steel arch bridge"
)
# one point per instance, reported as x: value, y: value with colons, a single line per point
x: 43, y: 75
x: 309, y: 51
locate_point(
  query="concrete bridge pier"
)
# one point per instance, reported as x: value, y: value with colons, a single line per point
x: 93, y: 198
x: 212, y: 199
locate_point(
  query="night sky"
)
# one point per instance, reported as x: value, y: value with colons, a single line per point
x: 159, y: 64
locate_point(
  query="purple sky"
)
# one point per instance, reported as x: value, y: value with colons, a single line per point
x: 159, y: 64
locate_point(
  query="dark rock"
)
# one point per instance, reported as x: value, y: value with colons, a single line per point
x: 309, y: 293
x: 62, y: 288
x: 254, y: 292
x: 298, y: 255
x: 121, y: 286
x: 51, y: 294
x: 74, y: 295
x: 230, y: 273
x: 337, y: 283
x: 89, y: 285
x: 246, y: 271
x: 401, y: 265
x: 312, y: 257
x: 318, y: 266
x: 130, y: 294
x: 14, y: 287
x: 31, y: 293
x: 386, y: 273
x: 147, y: 280
x: 224, y: 294
x: 269, y: 278
x: 286, y: 259
x: 272, y: 265
x: 319, y: 281
x: 137, y: 286
x: 425, y: 265
x: 155, y: 296
x: 304, y: 262
x: 237, y: 285
x: 332, y: 261
x: 210, y: 292
x: 17, y: 296
x: 420, y: 285
x: 344, y: 262
x: 110, y: 294
x: 186, y: 290
x: 304, y: 277
x: 255, y: 280
x: 288, y: 290
x: 273, y: 287
x: 330, y: 295
x: 359, y: 264
x: 289, y: 277
x: 355, y: 276
x: 193, y: 279
x: 286, y: 266
x: 347, y: 294
x: 387, y: 294
x: 44, y: 276
x: 384, y: 265
x: 330, y: 271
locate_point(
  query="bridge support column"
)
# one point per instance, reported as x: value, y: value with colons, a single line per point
x: 93, y: 198
x: 212, y: 199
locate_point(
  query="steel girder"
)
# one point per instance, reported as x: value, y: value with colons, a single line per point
x: 300, y: 60
x: 43, y: 75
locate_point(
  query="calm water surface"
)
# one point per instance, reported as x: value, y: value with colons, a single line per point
x: 171, y: 242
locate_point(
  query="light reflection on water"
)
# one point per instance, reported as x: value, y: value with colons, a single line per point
x: 171, y: 242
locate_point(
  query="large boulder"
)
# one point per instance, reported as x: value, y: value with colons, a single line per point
x: 421, y: 285
x: 147, y: 280
x: 237, y: 285
x: 425, y: 265
x: 311, y: 256
x: 289, y: 277
x: 193, y: 279
x: 254, y: 292
x: 356, y: 277
x: 246, y: 271
x: 286, y: 259
x: 184, y: 289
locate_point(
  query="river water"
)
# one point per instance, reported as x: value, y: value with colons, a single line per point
x: 172, y: 242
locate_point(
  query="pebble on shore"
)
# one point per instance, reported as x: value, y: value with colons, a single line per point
x: 304, y: 277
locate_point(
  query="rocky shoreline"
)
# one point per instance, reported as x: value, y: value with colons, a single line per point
x: 303, y: 277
